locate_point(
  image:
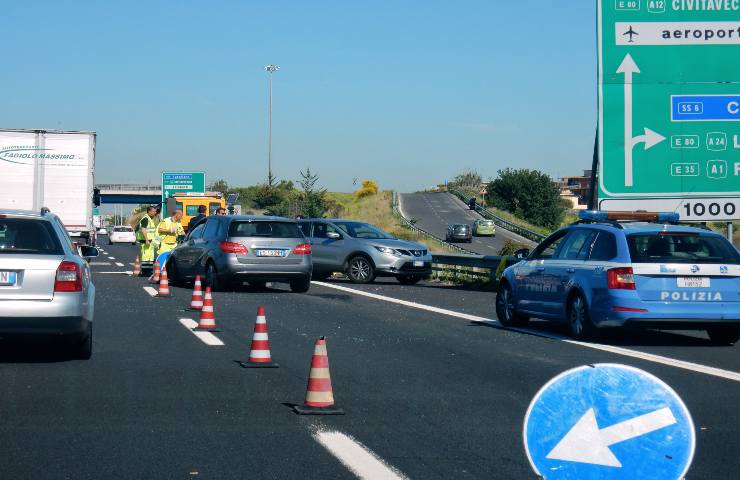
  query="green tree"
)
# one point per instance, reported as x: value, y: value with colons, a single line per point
x: 528, y: 194
x: 469, y: 181
x: 312, y: 198
x: 219, y: 186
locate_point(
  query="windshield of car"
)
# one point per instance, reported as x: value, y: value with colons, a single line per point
x: 123, y: 229
x: 485, y: 223
x: 19, y: 235
x: 265, y: 229
x: 363, y: 230
x: 460, y: 228
x: 680, y: 247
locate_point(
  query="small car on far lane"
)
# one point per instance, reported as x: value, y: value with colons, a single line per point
x: 122, y: 234
x: 484, y: 228
x: 459, y: 232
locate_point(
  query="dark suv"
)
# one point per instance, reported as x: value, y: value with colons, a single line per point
x: 235, y: 249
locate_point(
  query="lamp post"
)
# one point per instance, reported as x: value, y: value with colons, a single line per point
x: 270, y: 69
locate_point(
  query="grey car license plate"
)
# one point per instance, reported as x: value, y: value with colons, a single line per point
x: 270, y: 253
x: 7, y: 278
x: 418, y: 263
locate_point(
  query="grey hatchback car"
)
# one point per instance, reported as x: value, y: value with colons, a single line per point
x: 237, y: 249
x: 363, y: 251
x: 45, y: 285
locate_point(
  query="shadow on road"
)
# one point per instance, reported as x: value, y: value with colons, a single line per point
x: 28, y: 351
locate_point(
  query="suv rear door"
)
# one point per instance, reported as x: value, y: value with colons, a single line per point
x: 675, y: 266
x: 328, y: 253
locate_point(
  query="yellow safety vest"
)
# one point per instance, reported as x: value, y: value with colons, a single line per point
x: 151, y: 229
x: 168, y: 224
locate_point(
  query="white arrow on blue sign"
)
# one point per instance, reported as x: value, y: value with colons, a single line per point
x: 608, y: 421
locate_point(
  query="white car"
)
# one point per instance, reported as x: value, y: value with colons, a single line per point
x: 102, y: 231
x: 122, y: 234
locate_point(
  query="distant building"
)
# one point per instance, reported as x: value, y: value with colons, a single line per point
x: 576, y: 189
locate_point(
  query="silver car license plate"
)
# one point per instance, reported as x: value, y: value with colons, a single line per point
x: 7, y: 278
x: 270, y: 253
x: 693, y: 282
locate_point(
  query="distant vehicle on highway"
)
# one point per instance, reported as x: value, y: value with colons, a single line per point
x: 122, y: 234
x: 459, y: 232
x: 364, y: 252
x: 627, y: 269
x: 484, y: 228
x: 234, y: 249
x: 45, y: 285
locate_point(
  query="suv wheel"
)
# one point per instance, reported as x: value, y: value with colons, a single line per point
x: 579, y: 323
x: 300, y: 285
x: 360, y: 270
x: 505, y: 312
x: 724, y: 335
x: 83, y: 349
x: 408, y: 279
x: 212, y: 277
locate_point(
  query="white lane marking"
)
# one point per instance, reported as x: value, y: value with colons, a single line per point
x: 151, y: 291
x: 206, y: 337
x: 355, y: 456
x: 671, y: 362
x: 119, y: 264
x: 99, y: 263
x: 111, y: 258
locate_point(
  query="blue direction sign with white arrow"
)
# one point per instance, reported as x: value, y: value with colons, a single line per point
x: 608, y: 421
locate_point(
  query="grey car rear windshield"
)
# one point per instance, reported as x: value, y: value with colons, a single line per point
x: 265, y: 229
x: 681, y: 248
x: 20, y: 235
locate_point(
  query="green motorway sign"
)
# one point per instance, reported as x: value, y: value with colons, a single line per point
x: 181, y: 182
x: 669, y: 107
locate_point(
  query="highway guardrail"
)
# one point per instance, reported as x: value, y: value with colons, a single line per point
x: 501, y: 222
x: 478, y: 266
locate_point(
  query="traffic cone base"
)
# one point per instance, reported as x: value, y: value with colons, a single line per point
x: 306, y: 410
x: 259, y: 364
x: 206, y: 329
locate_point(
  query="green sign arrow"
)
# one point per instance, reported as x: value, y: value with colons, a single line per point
x: 669, y: 107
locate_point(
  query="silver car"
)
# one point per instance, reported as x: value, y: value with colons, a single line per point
x: 45, y: 285
x: 235, y: 249
x: 363, y: 252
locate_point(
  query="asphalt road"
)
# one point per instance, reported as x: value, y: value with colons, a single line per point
x: 434, y: 211
x: 433, y: 391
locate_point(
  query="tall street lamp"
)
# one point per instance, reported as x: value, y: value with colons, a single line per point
x: 270, y: 69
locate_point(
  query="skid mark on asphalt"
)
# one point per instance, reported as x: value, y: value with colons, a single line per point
x: 671, y: 362
x: 206, y: 337
x: 358, y: 458
x: 151, y: 291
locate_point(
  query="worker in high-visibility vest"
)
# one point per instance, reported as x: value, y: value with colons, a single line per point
x: 169, y: 230
x: 146, y: 234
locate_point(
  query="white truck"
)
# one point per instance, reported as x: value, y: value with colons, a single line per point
x: 51, y: 169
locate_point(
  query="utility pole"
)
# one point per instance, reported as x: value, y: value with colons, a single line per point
x: 270, y: 69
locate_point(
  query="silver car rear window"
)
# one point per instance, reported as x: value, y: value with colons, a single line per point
x: 265, y: 229
x: 21, y: 235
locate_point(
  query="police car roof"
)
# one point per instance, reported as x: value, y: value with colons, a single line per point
x: 647, y: 227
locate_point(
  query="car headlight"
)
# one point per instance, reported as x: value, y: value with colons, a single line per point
x: 387, y: 251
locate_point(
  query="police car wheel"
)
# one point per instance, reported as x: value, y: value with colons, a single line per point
x: 579, y: 323
x: 505, y: 311
x: 724, y: 335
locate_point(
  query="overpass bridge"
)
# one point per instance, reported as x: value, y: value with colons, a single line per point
x: 129, y: 193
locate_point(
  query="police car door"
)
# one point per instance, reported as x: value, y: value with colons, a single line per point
x: 530, y: 274
x: 561, y: 271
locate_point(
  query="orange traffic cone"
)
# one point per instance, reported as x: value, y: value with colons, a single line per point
x: 154, y: 279
x: 207, y: 321
x: 319, y: 395
x: 137, y: 267
x: 259, y: 353
x: 164, y: 285
x: 196, y: 300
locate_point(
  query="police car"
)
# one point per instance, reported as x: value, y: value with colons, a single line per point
x: 614, y: 269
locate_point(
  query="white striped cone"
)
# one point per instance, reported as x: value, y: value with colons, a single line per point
x: 259, y: 352
x: 196, y: 300
x: 137, y: 267
x: 155, y: 276
x: 164, y: 285
x: 207, y: 317
x: 319, y: 394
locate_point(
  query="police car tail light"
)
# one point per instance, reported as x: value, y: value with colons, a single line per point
x: 231, y: 247
x: 302, y: 249
x: 69, y: 278
x: 622, y: 278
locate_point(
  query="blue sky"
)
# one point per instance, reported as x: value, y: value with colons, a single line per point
x: 405, y: 92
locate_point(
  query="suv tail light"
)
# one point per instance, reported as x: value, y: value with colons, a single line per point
x: 302, y: 249
x: 622, y: 278
x: 231, y: 247
x: 69, y: 278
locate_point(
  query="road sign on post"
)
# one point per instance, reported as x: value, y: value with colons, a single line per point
x: 669, y: 107
x: 608, y: 421
x: 181, y: 182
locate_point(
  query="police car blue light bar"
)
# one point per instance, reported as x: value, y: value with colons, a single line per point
x: 601, y: 216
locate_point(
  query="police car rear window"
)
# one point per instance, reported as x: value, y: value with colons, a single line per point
x: 679, y: 247
x: 265, y: 229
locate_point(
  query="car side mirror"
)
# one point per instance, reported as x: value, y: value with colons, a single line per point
x: 333, y: 235
x: 522, y: 253
x: 88, y: 251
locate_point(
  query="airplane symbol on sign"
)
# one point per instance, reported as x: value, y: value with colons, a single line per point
x: 631, y: 33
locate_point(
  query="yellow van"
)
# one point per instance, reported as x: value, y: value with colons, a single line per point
x: 189, y: 203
